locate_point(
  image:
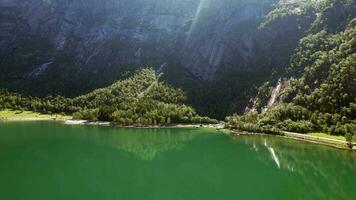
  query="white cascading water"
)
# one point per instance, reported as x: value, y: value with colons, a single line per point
x: 275, y: 94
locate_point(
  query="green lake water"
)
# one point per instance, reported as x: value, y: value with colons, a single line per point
x: 50, y: 161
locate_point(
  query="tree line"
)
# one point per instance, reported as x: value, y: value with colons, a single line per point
x: 138, y: 100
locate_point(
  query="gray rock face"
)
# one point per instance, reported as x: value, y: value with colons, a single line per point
x: 122, y: 31
x: 223, y: 32
x: 202, y: 35
x: 126, y: 32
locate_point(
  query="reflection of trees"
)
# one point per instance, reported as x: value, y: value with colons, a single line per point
x: 145, y: 144
x: 313, y: 163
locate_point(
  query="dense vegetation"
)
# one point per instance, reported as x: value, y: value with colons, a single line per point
x: 322, y: 95
x: 139, y: 100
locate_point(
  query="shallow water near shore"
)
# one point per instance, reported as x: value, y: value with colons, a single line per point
x: 51, y: 160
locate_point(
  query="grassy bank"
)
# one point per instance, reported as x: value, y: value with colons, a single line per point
x: 317, y: 138
x: 324, y: 135
x: 335, y: 137
x: 16, y: 115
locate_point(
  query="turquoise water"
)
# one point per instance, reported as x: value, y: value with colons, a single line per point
x: 51, y: 161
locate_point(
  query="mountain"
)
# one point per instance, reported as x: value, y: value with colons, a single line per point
x: 45, y: 41
x: 219, y: 52
x: 109, y: 33
x: 56, y: 46
x: 201, y: 35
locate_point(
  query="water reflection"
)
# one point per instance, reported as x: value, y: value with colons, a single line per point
x: 274, y: 156
x: 145, y: 145
x: 310, y: 162
x: 196, y: 164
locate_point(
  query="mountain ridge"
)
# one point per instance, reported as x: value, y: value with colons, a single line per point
x: 219, y: 52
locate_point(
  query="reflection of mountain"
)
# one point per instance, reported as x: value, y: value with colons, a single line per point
x: 145, y: 144
x: 309, y: 161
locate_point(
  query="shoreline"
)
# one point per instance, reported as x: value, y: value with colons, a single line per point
x: 99, y: 123
x: 340, y: 144
x: 85, y: 122
x: 29, y: 119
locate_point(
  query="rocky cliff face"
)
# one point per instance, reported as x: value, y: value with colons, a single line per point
x: 223, y: 32
x: 96, y: 33
x: 202, y: 35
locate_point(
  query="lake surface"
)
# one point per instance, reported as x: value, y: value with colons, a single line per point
x: 50, y: 161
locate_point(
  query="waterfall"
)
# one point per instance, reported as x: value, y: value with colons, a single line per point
x: 275, y: 93
x: 283, y: 83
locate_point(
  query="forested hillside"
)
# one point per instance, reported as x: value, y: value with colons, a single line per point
x: 138, y: 100
x: 320, y: 94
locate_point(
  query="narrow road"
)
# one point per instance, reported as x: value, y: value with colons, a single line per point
x: 315, y: 138
x: 158, y: 75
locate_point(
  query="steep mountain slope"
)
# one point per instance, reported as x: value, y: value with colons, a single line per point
x: 318, y: 90
x: 91, y: 40
x: 43, y: 41
x: 258, y: 50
